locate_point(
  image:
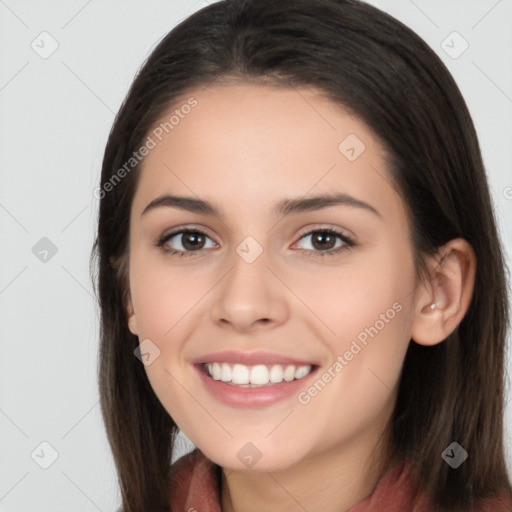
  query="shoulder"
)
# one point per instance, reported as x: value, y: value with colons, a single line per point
x: 398, y: 491
x: 501, y: 503
x: 194, y: 483
x: 184, y: 465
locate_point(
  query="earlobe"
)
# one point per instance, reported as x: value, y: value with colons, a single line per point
x: 132, y: 320
x: 450, y: 289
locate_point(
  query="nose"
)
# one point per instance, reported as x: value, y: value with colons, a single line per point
x: 250, y: 296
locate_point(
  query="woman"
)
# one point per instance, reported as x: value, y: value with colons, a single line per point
x: 297, y: 242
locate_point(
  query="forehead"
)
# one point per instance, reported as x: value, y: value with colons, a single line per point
x: 253, y: 143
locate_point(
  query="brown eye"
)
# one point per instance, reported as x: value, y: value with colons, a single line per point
x: 184, y: 241
x: 324, y: 242
x: 192, y: 240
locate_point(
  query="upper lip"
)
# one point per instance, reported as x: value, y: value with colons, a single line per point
x: 250, y: 358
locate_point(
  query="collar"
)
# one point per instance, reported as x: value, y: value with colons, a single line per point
x: 195, y: 487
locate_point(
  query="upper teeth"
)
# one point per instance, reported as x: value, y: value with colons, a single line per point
x: 259, y: 374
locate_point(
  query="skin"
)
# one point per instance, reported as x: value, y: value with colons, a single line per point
x: 244, y: 148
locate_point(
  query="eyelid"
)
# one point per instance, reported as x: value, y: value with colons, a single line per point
x: 327, y: 227
x: 186, y: 227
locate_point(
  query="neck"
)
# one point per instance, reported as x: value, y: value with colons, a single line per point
x: 334, y: 480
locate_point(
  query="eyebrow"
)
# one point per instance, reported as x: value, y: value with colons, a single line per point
x: 284, y: 207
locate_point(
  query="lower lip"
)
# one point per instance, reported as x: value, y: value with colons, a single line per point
x: 253, y: 398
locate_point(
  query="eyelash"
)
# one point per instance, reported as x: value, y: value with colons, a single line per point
x: 348, y: 242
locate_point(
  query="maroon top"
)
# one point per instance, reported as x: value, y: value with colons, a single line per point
x: 195, y: 487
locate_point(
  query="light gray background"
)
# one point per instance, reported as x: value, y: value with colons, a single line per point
x: 56, y: 113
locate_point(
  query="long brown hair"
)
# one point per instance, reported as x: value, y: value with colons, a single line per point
x: 386, y: 75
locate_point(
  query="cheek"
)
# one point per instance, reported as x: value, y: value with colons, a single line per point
x: 165, y: 302
x: 365, y: 291
x: 366, y: 311
x: 369, y: 313
x: 354, y: 395
x: 165, y: 296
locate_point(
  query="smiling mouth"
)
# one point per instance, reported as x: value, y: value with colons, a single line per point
x: 256, y: 376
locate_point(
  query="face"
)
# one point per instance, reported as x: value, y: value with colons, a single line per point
x: 254, y: 280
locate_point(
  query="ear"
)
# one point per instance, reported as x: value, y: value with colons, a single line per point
x: 132, y: 320
x: 450, y: 287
